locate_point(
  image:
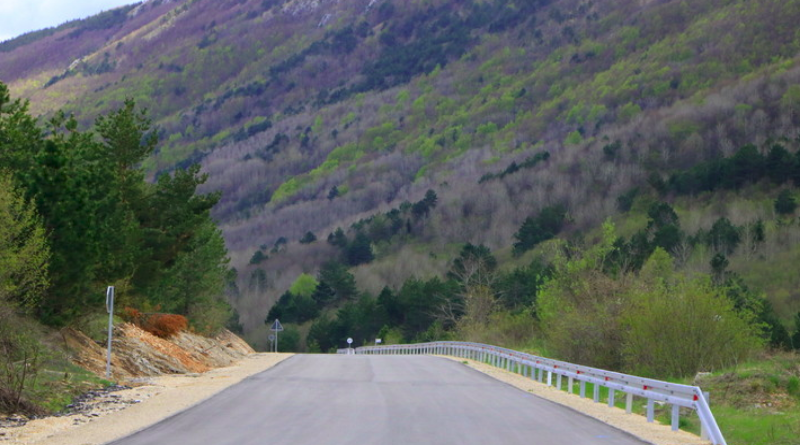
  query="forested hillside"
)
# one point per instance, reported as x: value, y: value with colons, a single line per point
x: 413, y: 170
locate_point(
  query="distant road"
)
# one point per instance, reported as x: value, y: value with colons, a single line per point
x: 370, y: 400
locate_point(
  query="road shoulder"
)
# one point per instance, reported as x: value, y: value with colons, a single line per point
x: 150, y: 401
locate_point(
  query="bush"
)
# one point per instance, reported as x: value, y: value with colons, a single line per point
x: 21, y: 357
x: 678, y: 326
x: 164, y: 325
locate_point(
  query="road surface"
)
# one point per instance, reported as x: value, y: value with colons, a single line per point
x: 372, y: 400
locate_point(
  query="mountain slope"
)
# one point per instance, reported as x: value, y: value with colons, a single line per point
x: 311, y: 115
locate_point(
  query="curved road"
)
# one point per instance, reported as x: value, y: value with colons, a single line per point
x: 370, y: 400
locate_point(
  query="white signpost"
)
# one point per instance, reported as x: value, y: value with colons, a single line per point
x: 110, y: 310
x: 276, y: 327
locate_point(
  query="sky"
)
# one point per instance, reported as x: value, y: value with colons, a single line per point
x: 21, y: 16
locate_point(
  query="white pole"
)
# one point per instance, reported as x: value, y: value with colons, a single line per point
x: 110, y: 310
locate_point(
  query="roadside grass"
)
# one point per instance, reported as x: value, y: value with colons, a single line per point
x: 59, y: 382
x: 37, y: 375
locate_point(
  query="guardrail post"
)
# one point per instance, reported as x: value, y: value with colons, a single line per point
x: 628, y: 403
x: 611, y: 395
x: 650, y: 410
x: 570, y: 382
x: 703, y: 429
x: 583, y: 389
x: 596, y: 393
x: 558, y: 382
x: 676, y: 412
x: 549, y: 378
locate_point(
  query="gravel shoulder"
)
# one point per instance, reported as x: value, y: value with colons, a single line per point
x: 636, y: 425
x: 116, y: 414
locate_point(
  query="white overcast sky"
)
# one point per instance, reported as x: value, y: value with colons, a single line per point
x: 20, y: 16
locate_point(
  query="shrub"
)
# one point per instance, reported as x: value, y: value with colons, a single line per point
x: 677, y: 327
x: 165, y: 325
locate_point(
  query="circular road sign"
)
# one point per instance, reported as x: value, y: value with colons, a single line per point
x: 349, y: 341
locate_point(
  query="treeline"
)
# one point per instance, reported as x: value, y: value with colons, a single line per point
x: 512, y: 168
x: 356, y: 244
x: 87, y: 218
x: 748, y: 165
x: 420, y: 310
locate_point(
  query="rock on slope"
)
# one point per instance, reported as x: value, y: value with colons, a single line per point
x: 137, y: 353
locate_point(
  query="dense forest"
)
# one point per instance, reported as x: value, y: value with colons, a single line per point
x: 564, y: 176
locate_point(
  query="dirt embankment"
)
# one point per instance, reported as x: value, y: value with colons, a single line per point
x: 156, y: 378
x: 137, y: 353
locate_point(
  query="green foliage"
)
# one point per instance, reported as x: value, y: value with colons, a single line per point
x: 580, y: 307
x: 157, y: 242
x: 724, y: 237
x: 308, y: 238
x: 512, y: 168
x: 341, y: 282
x: 258, y: 257
x: 625, y: 200
x: 289, y: 339
x: 360, y: 250
x: 21, y: 359
x: 293, y: 308
x: 574, y: 138
x: 592, y: 318
x: 539, y: 229
x: 304, y: 285
x: 474, y: 266
x: 785, y: 203
x: 655, y: 344
x: 24, y: 252
x: 518, y: 289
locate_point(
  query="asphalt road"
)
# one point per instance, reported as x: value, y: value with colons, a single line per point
x: 370, y: 400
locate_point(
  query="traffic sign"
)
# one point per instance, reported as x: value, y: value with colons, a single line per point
x: 349, y: 341
x: 276, y: 327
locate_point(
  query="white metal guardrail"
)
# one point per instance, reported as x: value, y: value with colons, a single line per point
x: 553, y: 372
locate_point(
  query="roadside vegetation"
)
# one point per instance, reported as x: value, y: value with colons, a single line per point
x: 77, y: 216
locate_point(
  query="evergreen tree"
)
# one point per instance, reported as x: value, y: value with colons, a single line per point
x: 475, y: 265
x: 308, y: 238
x: 338, y: 238
x: 333, y: 193
x: 796, y: 336
x: 542, y: 228
x: 342, y: 282
x: 785, y: 204
x: 323, y: 294
x: 724, y: 237
x: 779, y: 164
x: 360, y: 250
